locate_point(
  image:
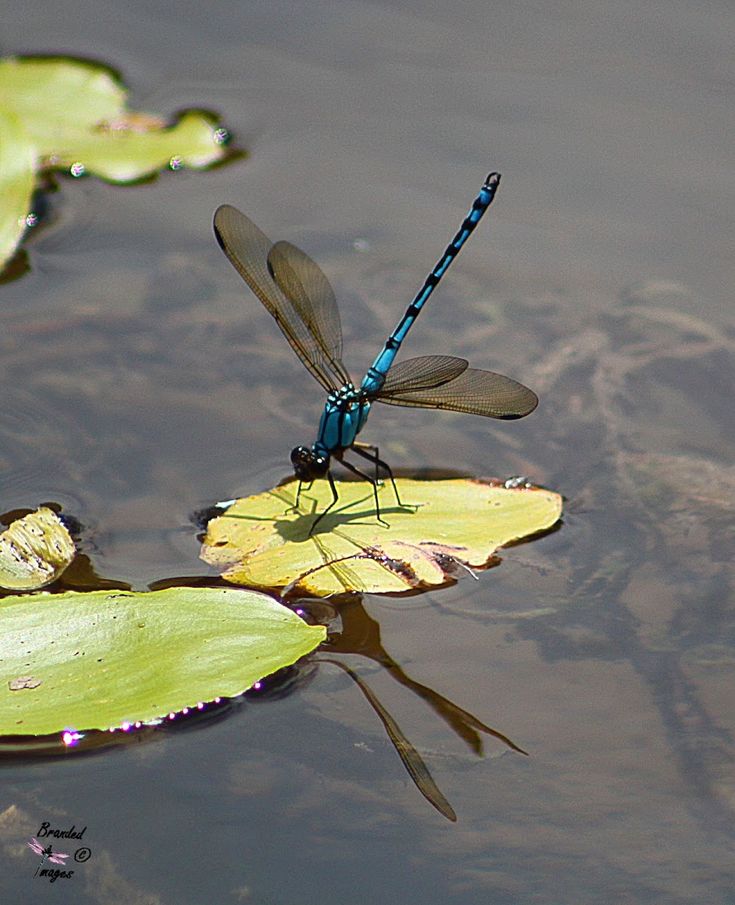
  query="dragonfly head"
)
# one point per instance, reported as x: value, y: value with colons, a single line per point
x: 307, y: 464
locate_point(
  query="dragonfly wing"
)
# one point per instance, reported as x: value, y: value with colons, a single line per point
x: 474, y: 392
x: 58, y: 858
x: 303, y: 283
x: 36, y: 846
x: 423, y: 373
x: 248, y: 250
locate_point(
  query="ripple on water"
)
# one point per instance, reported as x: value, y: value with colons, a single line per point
x: 37, y: 454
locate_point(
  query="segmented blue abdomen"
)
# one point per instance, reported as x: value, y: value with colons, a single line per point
x: 375, y: 377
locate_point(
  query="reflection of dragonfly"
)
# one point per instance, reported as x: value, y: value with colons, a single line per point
x: 298, y: 295
x: 360, y: 634
x: 47, y: 852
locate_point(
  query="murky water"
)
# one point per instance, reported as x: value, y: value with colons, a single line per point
x: 142, y: 382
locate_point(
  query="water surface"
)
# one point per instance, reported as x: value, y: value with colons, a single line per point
x: 141, y: 382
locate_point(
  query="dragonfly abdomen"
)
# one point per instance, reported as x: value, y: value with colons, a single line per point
x: 375, y: 377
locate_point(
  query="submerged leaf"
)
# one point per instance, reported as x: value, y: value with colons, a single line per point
x: 261, y: 541
x: 34, y: 551
x: 108, y: 659
x: 69, y: 114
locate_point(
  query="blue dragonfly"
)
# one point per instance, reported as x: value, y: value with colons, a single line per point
x: 299, y: 297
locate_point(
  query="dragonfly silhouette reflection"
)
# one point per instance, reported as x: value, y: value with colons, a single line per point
x: 298, y: 295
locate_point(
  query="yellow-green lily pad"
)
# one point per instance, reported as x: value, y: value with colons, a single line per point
x: 109, y: 659
x: 17, y: 177
x: 34, y: 551
x: 70, y: 114
x: 261, y: 541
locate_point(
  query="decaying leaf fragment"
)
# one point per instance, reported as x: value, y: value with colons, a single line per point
x: 34, y: 551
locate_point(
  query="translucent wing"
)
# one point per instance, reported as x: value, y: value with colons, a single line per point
x: 36, y: 845
x: 58, y: 858
x: 308, y: 290
x: 423, y: 373
x: 306, y: 312
x: 473, y: 391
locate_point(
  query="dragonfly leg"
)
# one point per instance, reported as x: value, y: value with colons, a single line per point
x: 295, y: 506
x: 372, y: 454
x: 335, y: 497
x: 361, y: 474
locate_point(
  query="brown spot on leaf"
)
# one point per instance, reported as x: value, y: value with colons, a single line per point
x: 23, y: 682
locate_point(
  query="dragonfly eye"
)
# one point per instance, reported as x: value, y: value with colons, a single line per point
x: 307, y: 465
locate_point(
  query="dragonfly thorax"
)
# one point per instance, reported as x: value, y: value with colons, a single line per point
x: 344, y: 415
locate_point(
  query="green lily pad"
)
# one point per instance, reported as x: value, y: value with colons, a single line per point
x: 34, y: 551
x: 260, y: 541
x: 70, y: 114
x: 17, y: 178
x: 107, y: 659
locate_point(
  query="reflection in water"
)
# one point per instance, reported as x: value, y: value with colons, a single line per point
x: 360, y: 634
x: 412, y: 761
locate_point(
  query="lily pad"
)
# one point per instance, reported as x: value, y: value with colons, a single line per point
x: 109, y: 659
x: 261, y: 541
x: 70, y: 114
x: 34, y: 551
x: 17, y: 178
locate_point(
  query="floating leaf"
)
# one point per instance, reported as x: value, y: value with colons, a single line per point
x: 34, y: 551
x: 59, y: 93
x: 69, y: 114
x: 119, y: 153
x: 261, y: 541
x: 17, y: 177
x: 108, y: 659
